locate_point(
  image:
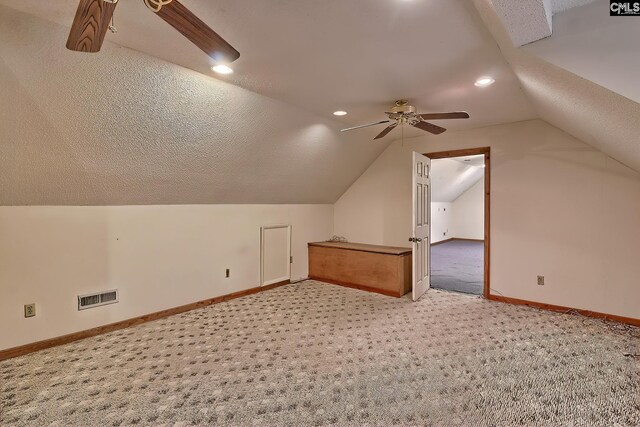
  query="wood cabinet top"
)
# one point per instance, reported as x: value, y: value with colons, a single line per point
x: 388, y: 250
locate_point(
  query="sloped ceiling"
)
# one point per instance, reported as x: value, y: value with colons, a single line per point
x: 121, y: 127
x: 600, y: 48
x: 328, y: 55
x: 450, y: 178
x: 531, y: 20
x: 126, y: 127
x: 596, y: 115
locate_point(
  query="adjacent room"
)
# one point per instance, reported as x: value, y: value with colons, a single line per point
x: 458, y: 224
x: 319, y: 213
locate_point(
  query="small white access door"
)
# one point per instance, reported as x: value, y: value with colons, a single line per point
x: 421, y: 222
x: 275, y: 254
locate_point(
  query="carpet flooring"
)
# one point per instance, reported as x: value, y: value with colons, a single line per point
x: 313, y: 354
x: 458, y: 266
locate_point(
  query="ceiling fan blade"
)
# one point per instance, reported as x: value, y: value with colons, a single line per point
x: 429, y: 127
x: 386, y: 131
x: 364, y: 126
x: 90, y: 25
x: 199, y: 33
x: 442, y: 116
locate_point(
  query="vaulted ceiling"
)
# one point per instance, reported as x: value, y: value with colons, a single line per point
x: 450, y: 178
x: 120, y: 127
x: 570, y: 93
x: 145, y: 121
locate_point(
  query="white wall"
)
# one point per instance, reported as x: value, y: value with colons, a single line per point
x: 374, y: 209
x: 559, y: 208
x: 441, y: 221
x: 468, y: 213
x: 157, y: 256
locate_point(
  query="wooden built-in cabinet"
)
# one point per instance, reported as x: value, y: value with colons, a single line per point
x: 382, y: 269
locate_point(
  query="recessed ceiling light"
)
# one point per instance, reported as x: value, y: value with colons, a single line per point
x: 484, y: 81
x: 339, y: 113
x: 222, y: 69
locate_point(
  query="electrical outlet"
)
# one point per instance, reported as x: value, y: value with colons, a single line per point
x: 29, y: 310
x: 540, y: 280
x: 227, y: 273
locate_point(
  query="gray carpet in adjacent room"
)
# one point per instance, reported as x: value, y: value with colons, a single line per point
x: 458, y: 265
x: 313, y: 354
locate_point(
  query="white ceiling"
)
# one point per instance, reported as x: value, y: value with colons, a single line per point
x: 322, y: 56
x: 590, y: 112
x: 601, y: 48
x: 450, y: 178
x: 531, y: 20
x: 121, y: 127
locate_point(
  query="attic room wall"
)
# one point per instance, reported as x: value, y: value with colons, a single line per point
x: 559, y: 208
x: 169, y: 166
x: 158, y: 257
x: 468, y: 213
x: 441, y: 221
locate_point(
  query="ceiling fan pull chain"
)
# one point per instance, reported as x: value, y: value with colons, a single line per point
x: 112, y: 27
x: 156, y: 5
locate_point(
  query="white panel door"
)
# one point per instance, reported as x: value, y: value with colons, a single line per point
x: 421, y: 223
x: 275, y: 259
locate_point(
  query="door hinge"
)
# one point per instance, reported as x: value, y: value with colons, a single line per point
x: 290, y: 260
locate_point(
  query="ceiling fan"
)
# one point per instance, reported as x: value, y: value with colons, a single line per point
x: 402, y: 113
x: 93, y: 19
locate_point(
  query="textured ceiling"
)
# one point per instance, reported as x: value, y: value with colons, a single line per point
x: 120, y: 127
x: 525, y: 21
x: 601, y: 48
x: 586, y: 110
x: 124, y: 126
x: 323, y: 56
x: 450, y: 178
x: 531, y: 20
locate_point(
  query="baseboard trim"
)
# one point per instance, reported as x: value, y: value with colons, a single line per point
x: 359, y: 287
x: 456, y: 238
x: 551, y: 307
x: 76, y: 336
x: 442, y: 241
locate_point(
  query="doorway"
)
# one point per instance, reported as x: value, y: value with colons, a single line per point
x: 460, y: 220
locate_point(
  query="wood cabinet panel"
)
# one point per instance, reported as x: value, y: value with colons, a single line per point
x: 368, y: 267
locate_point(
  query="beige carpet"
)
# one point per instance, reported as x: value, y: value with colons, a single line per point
x: 313, y: 354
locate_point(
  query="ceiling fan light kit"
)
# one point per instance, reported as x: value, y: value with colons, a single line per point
x: 402, y: 113
x: 156, y: 5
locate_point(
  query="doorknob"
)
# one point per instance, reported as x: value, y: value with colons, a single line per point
x: 415, y: 239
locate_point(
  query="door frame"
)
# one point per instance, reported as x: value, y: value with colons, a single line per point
x: 487, y: 202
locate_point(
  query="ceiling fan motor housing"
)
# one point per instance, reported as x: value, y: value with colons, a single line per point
x: 403, y: 112
x: 402, y: 107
